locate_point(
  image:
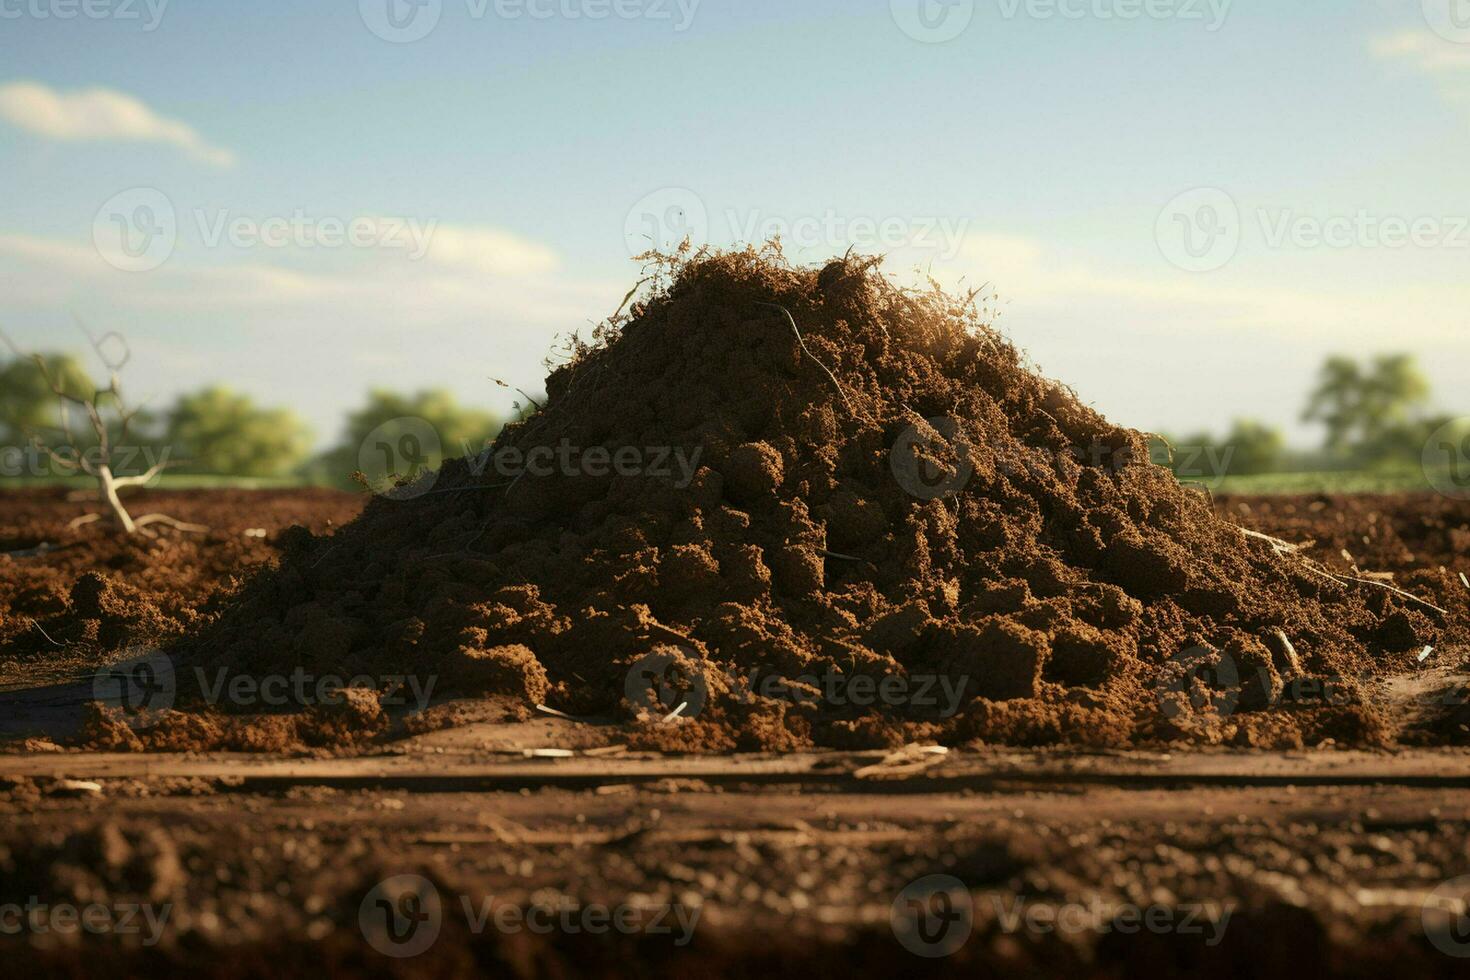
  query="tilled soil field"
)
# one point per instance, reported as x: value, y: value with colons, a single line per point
x: 549, y: 846
x: 96, y: 592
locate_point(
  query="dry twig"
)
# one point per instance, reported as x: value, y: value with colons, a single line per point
x: 98, y: 463
x: 841, y: 392
x: 1283, y: 548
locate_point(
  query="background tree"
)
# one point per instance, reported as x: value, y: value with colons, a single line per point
x: 217, y: 430
x: 1368, y: 409
x: 1250, y: 446
x: 1254, y: 447
x: 396, y: 435
x: 28, y: 407
x: 108, y: 421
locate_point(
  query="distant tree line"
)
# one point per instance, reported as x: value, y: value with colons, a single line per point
x: 1375, y: 414
x: 221, y: 432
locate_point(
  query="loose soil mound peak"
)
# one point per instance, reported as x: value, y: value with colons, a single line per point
x: 813, y: 507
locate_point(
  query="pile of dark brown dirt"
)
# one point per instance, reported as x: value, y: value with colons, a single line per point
x: 813, y: 507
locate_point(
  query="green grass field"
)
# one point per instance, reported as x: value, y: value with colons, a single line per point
x: 1264, y: 484
x: 175, y: 481
x: 1351, y: 481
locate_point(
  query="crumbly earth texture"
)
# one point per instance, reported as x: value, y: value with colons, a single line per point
x: 72, y: 597
x: 815, y: 508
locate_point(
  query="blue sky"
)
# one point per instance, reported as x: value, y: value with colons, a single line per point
x: 1148, y: 192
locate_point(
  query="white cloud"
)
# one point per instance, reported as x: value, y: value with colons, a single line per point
x: 1000, y: 259
x: 312, y: 328
x: 1430, y: 55
x: 100, y: 114
x: 489, y: 251
x: 1033, y: 280
x: 1427, y: 52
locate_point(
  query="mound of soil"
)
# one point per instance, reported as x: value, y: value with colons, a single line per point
x: 812, y: 507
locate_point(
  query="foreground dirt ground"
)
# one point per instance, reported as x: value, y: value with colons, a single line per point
x: 545, y: 847
x: 1210, y: 865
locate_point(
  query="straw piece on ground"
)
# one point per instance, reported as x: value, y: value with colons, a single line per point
x: 1290, y: 650
x: 1287, y: 548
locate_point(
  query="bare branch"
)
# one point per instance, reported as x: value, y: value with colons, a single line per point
x: 174, y: 523
x: 113, y: 352
x: 77, y: 465
x: 122, y: 482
